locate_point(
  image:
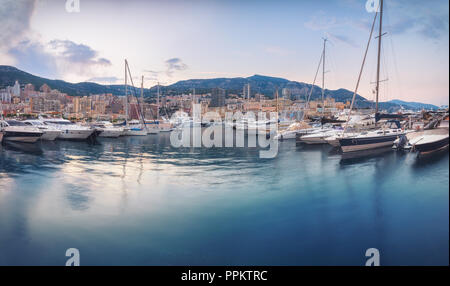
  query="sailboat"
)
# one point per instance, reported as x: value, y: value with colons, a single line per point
x: 298, y: 129
x: 318, y: 136
x: 384, y: 136
x: 133, y: 127
x: 153, y: 125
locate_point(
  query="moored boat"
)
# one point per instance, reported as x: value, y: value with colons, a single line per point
x: 17, y: 131
x: 427, y: 144
x: 69, y: 130
x: 50, y: 132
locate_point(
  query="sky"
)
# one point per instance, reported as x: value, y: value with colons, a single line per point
x: 171, y: 40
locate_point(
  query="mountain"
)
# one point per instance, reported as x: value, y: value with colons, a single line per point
x: 262, y: 84
x: 414, y: 105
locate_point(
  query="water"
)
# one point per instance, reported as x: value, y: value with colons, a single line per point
x: 138, y: 201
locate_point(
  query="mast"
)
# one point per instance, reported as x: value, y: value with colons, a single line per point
x: 157, y: 103
x: 323, y: 77
x: 277, y: 100
x: 379, y: 55
x: 126, y: 94
x: 142, y: 98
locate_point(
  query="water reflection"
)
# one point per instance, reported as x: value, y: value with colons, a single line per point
x: 159, y: 205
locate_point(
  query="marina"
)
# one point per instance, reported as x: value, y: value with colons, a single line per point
x: 222, y: 133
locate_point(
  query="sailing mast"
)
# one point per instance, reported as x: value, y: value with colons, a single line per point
x: 142, y: 97
x: 379, y: 57
x: 126, y: 94
x: 323, y: 77
x: 157, y: 103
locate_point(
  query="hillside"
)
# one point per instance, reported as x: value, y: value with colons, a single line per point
x: 262, y: 84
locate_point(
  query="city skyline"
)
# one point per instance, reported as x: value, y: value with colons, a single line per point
x: 177, y: 40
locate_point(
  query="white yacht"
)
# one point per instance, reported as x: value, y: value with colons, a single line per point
x: 134, y: 128
x: 69, y: 130
x: 18, y: 131
x: 319, y: 137
x: 50, y: 132
x: 107, y: 129
x: 152, y: 126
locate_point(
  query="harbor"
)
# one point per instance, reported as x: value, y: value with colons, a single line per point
x: 220, y: 133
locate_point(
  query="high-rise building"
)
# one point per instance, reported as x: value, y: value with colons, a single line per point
x: 16, y: 89
x: 217, y: 97
x: 246, y: 92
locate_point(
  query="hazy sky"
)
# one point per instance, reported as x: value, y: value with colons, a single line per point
x: 175, y: 40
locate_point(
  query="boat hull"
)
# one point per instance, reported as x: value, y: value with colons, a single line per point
x: 431, y: 147
x: 25, y: 137
x: 50, y: 135
x: 367, y: 143
x: 136, y: 132
x: 75, y: 134
x: 110, y: 133
x: 313, y: 140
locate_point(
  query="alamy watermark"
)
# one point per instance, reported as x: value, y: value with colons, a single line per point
x: 74, y: 257
x: 73, y: 6
x: 372, y: 6
x: 259, y: 131
x: 374, y: 257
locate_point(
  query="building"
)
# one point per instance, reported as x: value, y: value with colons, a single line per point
x: 217, y: 97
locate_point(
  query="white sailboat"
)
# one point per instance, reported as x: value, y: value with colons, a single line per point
x: 132, y: 128
x: 378, y: 138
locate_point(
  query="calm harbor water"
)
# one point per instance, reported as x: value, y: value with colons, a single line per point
x: 139, y: 201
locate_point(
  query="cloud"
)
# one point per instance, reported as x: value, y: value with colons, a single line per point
x: 15, y: 16
x: 32, y: 57
x: 77, y: 53
x: 174, y: 64
x: 57, y: 58
x: 341, y: 39
x: 105, y: 79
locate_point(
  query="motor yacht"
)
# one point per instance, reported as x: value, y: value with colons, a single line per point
x: 17, y: 131
x: 50, y: 132
x: 69, y: 130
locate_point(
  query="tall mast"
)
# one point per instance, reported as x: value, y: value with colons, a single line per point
x: 277, y: 100
x: 126, y: 94
x: 379, y: 55
x: 142, y: 97
x: 323, y: 77
x: 157, y: 104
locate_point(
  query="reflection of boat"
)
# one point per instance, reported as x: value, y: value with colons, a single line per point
x: 50, y: 132
x: 353, y: 157
x: 18, y: 131
x: 426, y: 144
x: 1, y: 137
